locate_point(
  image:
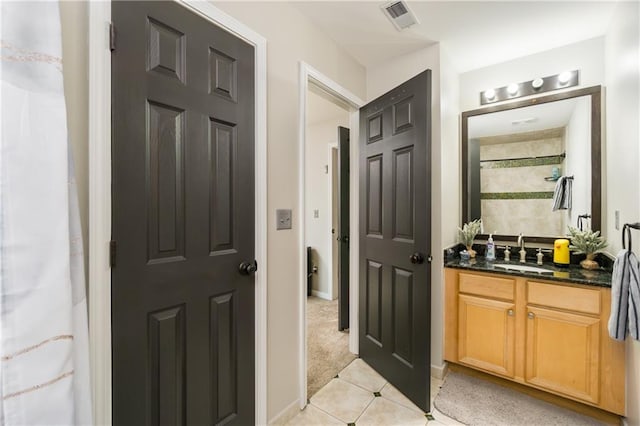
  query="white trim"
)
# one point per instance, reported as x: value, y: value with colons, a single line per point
x: 100, y: 201
x: 321, y: 294
x: 309, y: 75
x: 288, y: 413
x: 332, y: 236
x: 439, y: 371
x: 354, y: 230
x: 100, y: 210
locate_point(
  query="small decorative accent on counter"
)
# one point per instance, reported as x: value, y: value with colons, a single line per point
x: 589, y: 243
x: 468, y: 233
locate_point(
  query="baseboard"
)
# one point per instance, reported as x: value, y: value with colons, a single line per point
x: 439, y: 371
x: 321, y: 294
x: 287, y: 414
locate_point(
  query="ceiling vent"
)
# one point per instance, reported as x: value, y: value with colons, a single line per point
x: 399, y: 14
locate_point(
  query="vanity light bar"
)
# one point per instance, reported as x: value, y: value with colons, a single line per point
x: 538, y: 85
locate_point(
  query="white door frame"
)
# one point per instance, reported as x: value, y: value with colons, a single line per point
x: 309, y: 75
x: 100, y: 201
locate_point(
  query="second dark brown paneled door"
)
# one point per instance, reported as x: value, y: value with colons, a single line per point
x: 183, y: 219
x: 395, y: 237
x: 343, y: 227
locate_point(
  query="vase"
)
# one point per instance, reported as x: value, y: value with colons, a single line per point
x: 472, y: 252
x: 589, y: 263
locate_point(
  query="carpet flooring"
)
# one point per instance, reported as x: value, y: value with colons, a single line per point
x: 327, y: 348
x: 473, y: 401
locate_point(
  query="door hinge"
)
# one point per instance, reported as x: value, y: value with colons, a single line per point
x: 112, y: 254
x: 112, y: 37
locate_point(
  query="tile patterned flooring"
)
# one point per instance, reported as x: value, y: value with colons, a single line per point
x: 360, y: 396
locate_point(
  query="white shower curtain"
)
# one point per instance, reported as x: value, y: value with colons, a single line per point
x: 44, y: 367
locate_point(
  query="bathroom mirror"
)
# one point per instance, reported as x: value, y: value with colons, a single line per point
x: 513, y: 156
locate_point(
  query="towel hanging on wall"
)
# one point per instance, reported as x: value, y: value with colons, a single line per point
x: 563, y: 193
x: 625, y: 290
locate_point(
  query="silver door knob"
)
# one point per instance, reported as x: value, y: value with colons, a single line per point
x: 510, y: 312
x: 531, y: 315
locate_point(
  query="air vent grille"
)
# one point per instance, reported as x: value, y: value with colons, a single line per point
x: 399, y: 14
x: 396, y: 9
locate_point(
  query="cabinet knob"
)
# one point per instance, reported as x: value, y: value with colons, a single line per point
x: 531, y: 315
x: 510, y: 312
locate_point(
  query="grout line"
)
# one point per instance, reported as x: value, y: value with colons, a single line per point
x: 358, y: 386
x: 404, y: 406
x: 327, y: 413
x: 365, y: 409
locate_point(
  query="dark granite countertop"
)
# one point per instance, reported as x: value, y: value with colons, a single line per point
x: 573, y: 274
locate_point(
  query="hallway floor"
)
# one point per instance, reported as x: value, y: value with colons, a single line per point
x: 360, y: 396
x: 327, y: 348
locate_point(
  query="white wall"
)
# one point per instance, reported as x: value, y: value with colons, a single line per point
x: 587, y: 56
x: 291, y: 37
x: 622, y: 152
x: 446, y: 198
x: 318, y: 187
x: 73, y: 17
x: 445, y: 171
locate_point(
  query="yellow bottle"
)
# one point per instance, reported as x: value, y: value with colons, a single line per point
x: 561, y: 253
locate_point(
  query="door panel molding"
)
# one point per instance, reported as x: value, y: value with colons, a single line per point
x: 167, y: 348
x: 99, y: 297
x: 309, y: 75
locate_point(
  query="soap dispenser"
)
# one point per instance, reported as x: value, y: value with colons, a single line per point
x: 540, y: 256
x: 491, y: 249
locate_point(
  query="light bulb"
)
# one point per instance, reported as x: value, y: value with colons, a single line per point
x: 537, y: 83
x: 512, y: 89
x: 564, y: 77
x: 490, y: 94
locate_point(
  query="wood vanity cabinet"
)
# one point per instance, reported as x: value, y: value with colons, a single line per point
x: 548, y: 335
x: 486, y: 323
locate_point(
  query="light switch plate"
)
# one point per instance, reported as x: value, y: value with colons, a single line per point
x: 283, y: 219
x: 617, y: 215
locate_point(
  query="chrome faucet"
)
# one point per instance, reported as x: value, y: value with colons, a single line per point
x: 523, y: 252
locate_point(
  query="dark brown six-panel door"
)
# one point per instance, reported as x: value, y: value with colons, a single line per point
x: 395, y: 237
x: 183, y: 219
x: 343, y: 227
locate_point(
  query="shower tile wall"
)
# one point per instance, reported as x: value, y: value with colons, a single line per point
x: 515, y: 197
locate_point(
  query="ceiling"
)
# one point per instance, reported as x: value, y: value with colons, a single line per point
x: 551, y: 115
x: 474, y: 34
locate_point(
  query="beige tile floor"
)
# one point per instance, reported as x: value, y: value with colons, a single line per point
x: 362, y: 397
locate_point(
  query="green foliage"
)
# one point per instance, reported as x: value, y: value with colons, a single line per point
x: 468, y: 232
x: 587, y: 241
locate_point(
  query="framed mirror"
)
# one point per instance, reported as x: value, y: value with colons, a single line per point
x: 516, y: 155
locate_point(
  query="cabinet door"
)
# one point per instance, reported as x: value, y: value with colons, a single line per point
x: 486, y: 334
x: 562, y: 353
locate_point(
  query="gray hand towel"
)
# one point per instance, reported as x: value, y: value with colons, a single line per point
x: 634, y: 296
x: 625, y: 296
x: 562, y: 194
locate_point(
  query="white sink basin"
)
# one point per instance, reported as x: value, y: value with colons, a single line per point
x: 523, y: 268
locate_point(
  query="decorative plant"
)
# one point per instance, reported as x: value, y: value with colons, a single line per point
x: 589, y: 243
x: 468, y: 233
